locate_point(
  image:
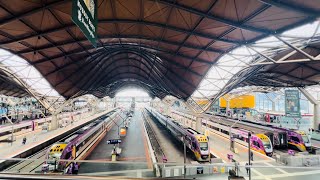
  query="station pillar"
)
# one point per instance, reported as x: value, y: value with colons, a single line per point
x: 228, y: 108
x: 228, y: 105
x: 166, y: 109
x: 316, y: 117
x: 273, y: 106
x: 95, y: 107
x: 198, y: 124
x: 54, y: 121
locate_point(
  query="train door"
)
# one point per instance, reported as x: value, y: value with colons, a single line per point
x: 283, y: 138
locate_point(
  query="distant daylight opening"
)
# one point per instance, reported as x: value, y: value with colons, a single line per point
x: 132, y: 92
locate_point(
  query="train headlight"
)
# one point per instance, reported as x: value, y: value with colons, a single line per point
x: 204, y: 156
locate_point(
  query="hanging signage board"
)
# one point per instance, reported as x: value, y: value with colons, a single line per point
x: 292, y: 103
x: 114, y: 141
x: 84, y: 15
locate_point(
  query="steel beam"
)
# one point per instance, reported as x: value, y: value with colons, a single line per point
x: 308, y: 95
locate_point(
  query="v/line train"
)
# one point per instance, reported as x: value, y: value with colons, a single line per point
x: 259, y: 142
x: 195, y: 141
x: 280, y: 138
x: 24, y: 126
x: 73, y: 146
x: 296, y: 139
x: 21, y: 128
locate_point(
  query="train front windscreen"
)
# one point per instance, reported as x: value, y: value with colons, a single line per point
x: 266, y: 144
x: 203, y: 146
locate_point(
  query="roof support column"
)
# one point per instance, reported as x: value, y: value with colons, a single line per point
x: 95, y: 106
x: 316, y: 117
x: 198, y: 124
x: 316, y: 110
x: 166, y: 108
x: 228, y: 104
x: 114, y: 102
x: 54, y: 121
x: 273, y: 102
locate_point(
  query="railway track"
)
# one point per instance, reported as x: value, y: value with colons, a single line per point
x: 153, y: 139
x: 29, y: 166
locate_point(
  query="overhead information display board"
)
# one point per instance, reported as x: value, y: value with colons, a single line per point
x: 114, y: 141
x: 243, y: 101
x: 292, y: 103
x: 84, y: 15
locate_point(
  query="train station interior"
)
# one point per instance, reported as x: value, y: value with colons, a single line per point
x: 160, y: 89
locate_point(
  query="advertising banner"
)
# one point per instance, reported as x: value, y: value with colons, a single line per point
x: 292, y: 103
x: 84, y: 15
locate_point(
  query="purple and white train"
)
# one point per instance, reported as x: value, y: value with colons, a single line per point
x: 71, y: 147
x: 195, y: 141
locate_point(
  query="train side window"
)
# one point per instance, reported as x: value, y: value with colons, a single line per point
x: 194, y: 145
x: 68, y: 155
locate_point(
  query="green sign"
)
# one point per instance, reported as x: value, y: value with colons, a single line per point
x: 84, y: 15
x: 292, y: 103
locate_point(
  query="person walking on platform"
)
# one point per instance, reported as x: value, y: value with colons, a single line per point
x: 24, y: 140
x: 247, y: 168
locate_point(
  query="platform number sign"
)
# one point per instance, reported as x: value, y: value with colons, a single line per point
x: 84, y: 15
x: 292, y: 103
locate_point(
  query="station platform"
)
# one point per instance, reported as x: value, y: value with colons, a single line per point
x: 220, y: 147
x: 134, y: 160
x: 315, y: 143
x: 10, y: 150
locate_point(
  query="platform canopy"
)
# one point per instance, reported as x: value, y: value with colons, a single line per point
x: 164, y: 46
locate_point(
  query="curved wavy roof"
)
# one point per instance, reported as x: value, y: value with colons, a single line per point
x: 9, y: 85
x: 165, y: 46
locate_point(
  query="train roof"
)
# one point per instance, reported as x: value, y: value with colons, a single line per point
x: 262, y: 137
x: 71, y: 138
x: 192, y: 131
x: 301, y: 132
